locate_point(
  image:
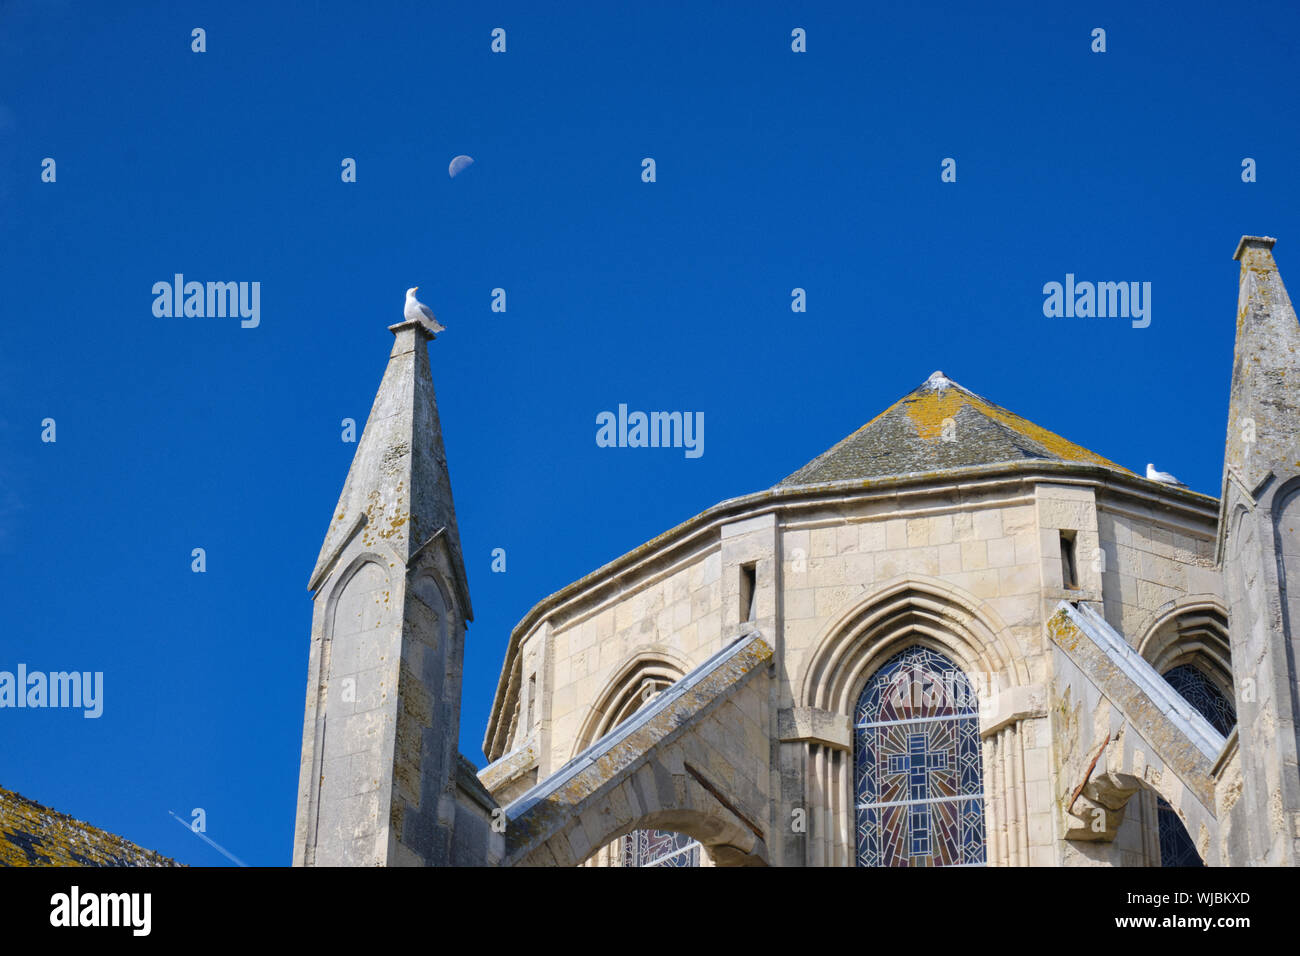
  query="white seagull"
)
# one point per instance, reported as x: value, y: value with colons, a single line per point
x: 1163, y: 477
x: 417, y: 311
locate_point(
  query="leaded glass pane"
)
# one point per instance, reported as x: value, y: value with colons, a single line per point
x: 660, y: 848
x: 917, y: 765
x: 1200, y: 692
x: 1176, y: 847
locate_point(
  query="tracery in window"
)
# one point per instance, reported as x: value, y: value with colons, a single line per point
x: 1176, y: 847
x: 660, y: 848
x: 1201, y: 693
x: 917, y: 765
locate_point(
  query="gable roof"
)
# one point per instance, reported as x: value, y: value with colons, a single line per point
x: 911, y: 436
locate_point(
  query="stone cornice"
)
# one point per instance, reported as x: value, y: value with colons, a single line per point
x: 704, y: 529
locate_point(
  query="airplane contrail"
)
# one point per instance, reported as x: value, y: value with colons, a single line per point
x: 212, y: 843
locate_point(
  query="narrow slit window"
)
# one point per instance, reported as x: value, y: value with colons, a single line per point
x: 748, y: 577
x: 1069, y: 566
x: 532, y: 701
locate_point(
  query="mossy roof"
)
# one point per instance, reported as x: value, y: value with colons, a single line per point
x: 34, y: 835
x: 936, y: 427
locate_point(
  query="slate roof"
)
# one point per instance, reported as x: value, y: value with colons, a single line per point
x: 33, y: 835
x: 910, y: 437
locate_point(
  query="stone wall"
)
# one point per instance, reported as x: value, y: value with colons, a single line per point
x: 975, y: 567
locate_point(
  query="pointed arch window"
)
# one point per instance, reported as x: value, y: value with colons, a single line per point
x: 917, y: 765
x: 1176, y: 846
x: 1202, y: 693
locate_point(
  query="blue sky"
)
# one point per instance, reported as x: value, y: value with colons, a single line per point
x: 775, y: 170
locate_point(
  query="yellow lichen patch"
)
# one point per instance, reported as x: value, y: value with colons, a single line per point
x: 1062, y: 630
x: 33, y: 835
x: 394, y: 526
x: 929, y: 409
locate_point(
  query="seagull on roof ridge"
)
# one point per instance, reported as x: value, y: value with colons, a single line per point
x: 1163, y: 477
x: 417, y: 311
x: 938, y: 382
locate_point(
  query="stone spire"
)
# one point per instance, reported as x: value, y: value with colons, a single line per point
x: 377, y: 781
x: 1264, y: 410
x: 1259, y: 533
x: 398, y: 490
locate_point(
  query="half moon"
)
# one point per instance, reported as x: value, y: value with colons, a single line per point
x: 459, y: 165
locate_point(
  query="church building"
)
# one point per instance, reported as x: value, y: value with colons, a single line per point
x: 954, y: 638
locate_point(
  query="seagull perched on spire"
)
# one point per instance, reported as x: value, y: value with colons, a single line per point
x: 417, y: 311
x: 1163, y: 477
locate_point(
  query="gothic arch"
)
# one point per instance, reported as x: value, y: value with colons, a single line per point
x: 345, y: 841
x: 443, y: 601
x: 1239, y: 547
x: 908, y: 610
x: 702, y: 819
x: 1177, y: 845
x: 913, y: 611
x: 1192, y: 630
x: 694, y: 761
x: 1282, y: 497
x: 1286, y: 543
x: 1108, y: 795
x: 652, y: 669
x: 342, y: 580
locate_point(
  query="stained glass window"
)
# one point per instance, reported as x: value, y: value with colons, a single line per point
x: 917, y: 765
x: 1200, y: 692
x: 660, y: 848
x: 1176, y: 847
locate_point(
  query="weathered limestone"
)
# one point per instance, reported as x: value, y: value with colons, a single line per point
x: 1259, y: 543
x: 694, y: 761
x: 708, y: 682
x: 1122, y: 730
x: 379, y: 782
x: 841, y: 577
